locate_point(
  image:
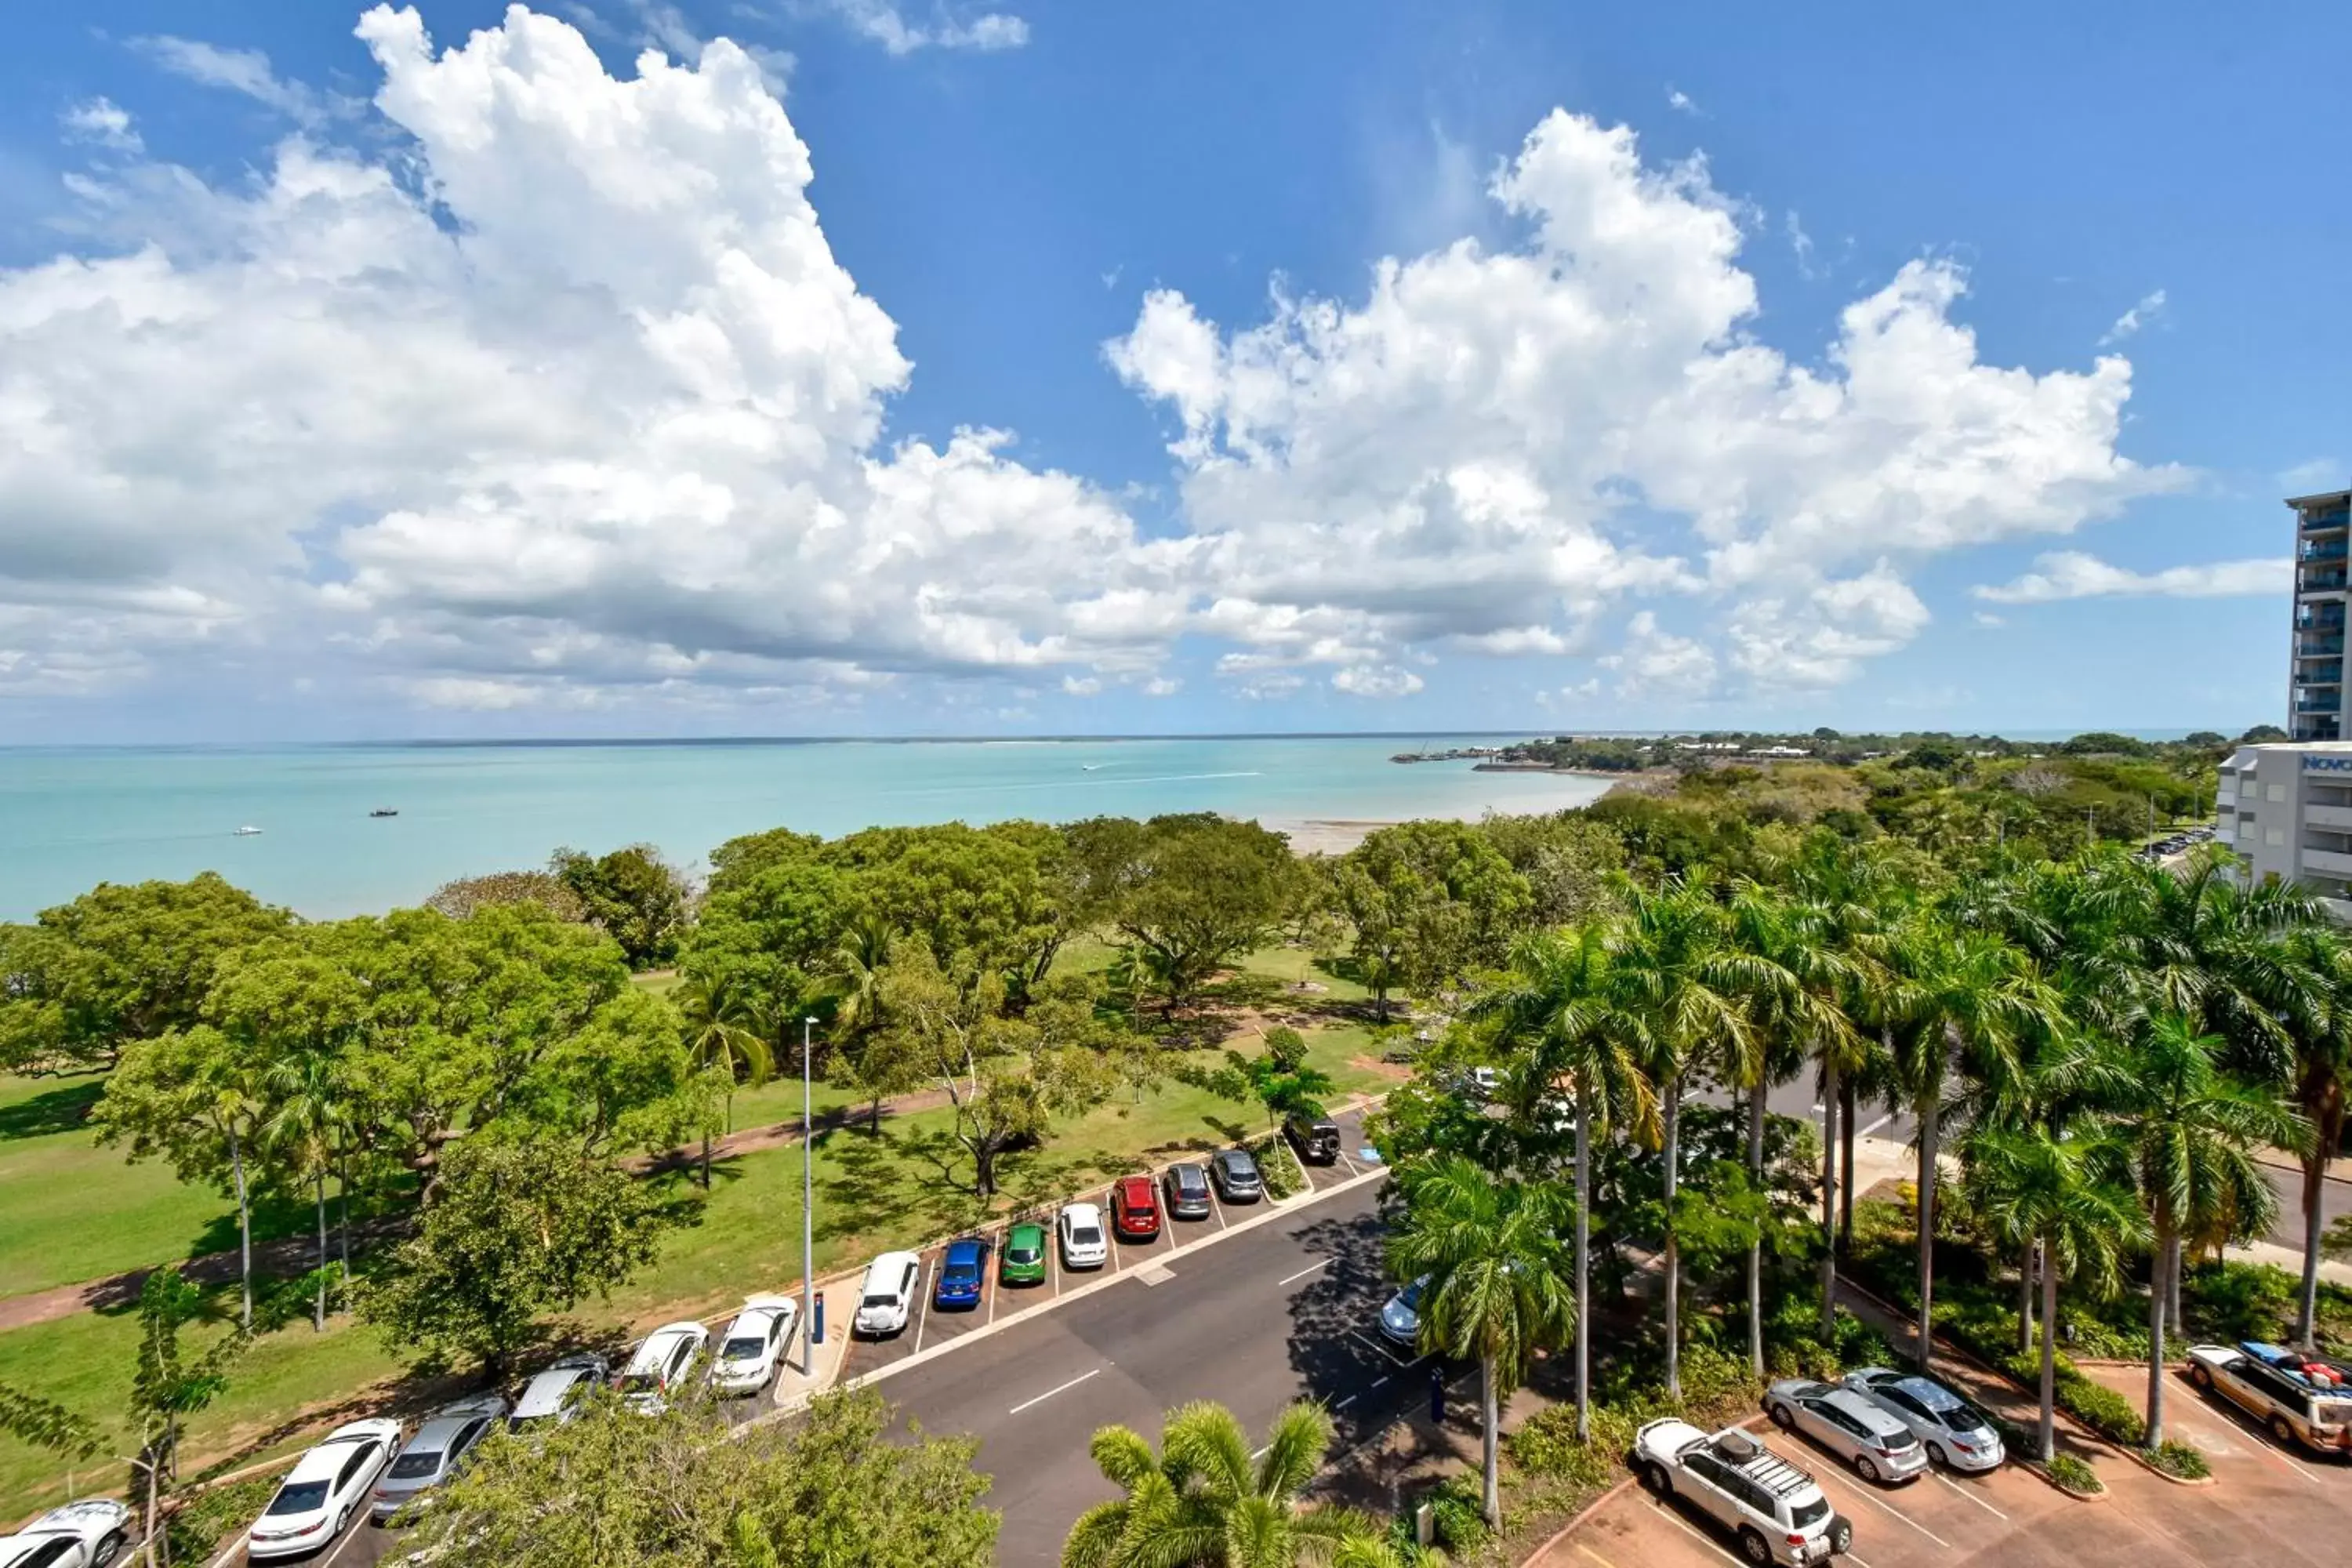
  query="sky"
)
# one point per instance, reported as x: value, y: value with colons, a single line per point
x: 625, y: 367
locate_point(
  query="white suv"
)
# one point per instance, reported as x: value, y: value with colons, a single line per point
x: 1775, y: 1508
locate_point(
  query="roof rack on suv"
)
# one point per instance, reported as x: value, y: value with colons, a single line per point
x: 1759, y: 1464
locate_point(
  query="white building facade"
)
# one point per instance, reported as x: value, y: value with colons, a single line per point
x: 2286, y: 809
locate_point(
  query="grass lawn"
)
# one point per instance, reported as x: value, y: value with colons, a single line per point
x: 1292, y: 964
x: 873, y: 1193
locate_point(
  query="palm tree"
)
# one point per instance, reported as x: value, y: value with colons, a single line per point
x: 854, y: 986
x: 2320, y: 1021
x: 1961, y: 996
x: 1557, y: 1002
x: 723, y: 1034
x: 2052, y: 1191
x: 1684, y: 981
x: 1490, y: 1254
x: 1203, y: 1502
x: 310, y: 1110
x: 2189, y: 1134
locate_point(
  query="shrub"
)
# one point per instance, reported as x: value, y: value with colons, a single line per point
x: 2076, y: 1475
x: 1546, y: 1445
x: 1454, y: 1509
x: 2179, y: 1458
x: 196, y: 1528
x: 1276, y: 1166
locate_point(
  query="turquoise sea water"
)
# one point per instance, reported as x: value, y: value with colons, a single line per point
x: 73, y: 817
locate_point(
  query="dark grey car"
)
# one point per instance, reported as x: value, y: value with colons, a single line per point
x: 1316, y: 1139
x: 1235, y: 1172
x: 1186, y: 1189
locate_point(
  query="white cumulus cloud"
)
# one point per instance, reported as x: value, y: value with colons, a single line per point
x: 103, y: 121
x: 2150, y: 307
x: 2072, y: 574
x: 885, y: 24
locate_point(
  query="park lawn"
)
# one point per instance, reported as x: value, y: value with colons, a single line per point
x: 1292, y: 964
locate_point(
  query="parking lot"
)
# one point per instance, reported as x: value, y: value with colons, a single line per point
x: 2266, y: 1508
x: 928, y: 1327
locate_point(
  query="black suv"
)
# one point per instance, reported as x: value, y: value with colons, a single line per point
x: 1316, y: 1139
x: 1235, y: 1172
x: 1186, y: 1188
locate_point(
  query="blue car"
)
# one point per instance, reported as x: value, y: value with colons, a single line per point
x: 960, y: 1273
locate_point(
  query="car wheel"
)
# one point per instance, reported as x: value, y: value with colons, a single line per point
x: 1752, y: 1547
x: 109, y: 1548
x: 1840, y: 1534
x: 1782, y: 1417
x: 2199, y: 1378
x: 1864, y: 1468
x: 1660, y: 1481
x: 1935, y: 1456
x: 2282, y: 1431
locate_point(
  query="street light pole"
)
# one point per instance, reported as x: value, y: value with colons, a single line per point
x: 808, y: 1213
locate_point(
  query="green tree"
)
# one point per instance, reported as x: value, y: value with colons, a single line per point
x: 1569, y: 861
x: 524, y: 1229
x: 168, y: 1386
x: 1496, y: 1287
x: 2320, y: 1021
x: 1006, y: 1080
x: 837, y: 1487
x: 1961, y: 998
x: 1200, y: 890
x: 634, y: 895
x: 726, y: 1035
x: 1204, y: 1502
x: 466, y: 896
x: 2190, y: 1135
x: 195, y: 1098
x: 2051, y: 1192
x: 1427, y: 900
x: 119, y: 965
x: 1277, y: 1078
x: 1558, y: 1009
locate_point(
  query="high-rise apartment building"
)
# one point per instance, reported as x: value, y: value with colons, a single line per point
x: 2323, y: 526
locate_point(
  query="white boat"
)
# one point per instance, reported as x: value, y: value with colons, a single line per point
x: 247, y: 831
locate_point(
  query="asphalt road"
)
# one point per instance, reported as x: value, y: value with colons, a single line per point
x: 1286, y: 1311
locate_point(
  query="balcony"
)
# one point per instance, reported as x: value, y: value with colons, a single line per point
x: 2327, y: 862
x: 2331, y: 549
x: 2330, y: 705
x: 2325, y: 518
x: 2319, y: 672
x: 2320, y: 580
x: 2320, y: 646
x: 2335, y: 817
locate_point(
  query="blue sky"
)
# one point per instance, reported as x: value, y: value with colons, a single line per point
x: 1731, y: 367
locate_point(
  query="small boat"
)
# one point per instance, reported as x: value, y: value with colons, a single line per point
x: 1088, y: 767
x: 385, y: 811
x: 247, y: 831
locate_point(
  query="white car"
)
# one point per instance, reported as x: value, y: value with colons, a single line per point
x: 1401, y: 1319
x: 1879, y: 1446
x: 1085, y: 1243
x: 1776, y: 1512
x: 556, y: 1394
x: 87, y: 1534
x: 888, y: 1294
x: 326, y: 1486
x: 436, y: 1453
x: 660, y: 1365
x: 1957, y: 1434
x: 753, y: 1344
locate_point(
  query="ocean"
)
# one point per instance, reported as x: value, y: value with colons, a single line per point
x: 73, y: 817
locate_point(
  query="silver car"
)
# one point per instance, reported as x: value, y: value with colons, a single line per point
x: 1878, y: 1446
x: 1957, y: 1434
x: 437, y: 1452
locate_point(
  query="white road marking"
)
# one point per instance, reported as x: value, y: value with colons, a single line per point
x: 1594, y: 1555
x: 1864, y: 1491
x: 1666, y: 1511
x: 922, y: 1305
x: 1310, y: 1269
x: 1380, y: 1380
x: 1345, y: 1403
x: 1049, y: 1393
x: 1873, y: 1128
x: 1969, y: 1494
x: 1857, y: 1561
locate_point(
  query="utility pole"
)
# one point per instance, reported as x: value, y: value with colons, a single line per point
x: 808, y: 1213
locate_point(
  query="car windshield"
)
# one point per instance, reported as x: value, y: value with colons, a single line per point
x: 641, y: 1382
x: 1085, y: 1235
x: 415, y: 1467
x: 1190, y: 1181
x: 1020, y: 1252
x: 523, y: 1423
x: 882, y: 1301
x: 299, y: 1497
x: 744, y: 1347
x: 1411, y: 1296
x: 1962, y: 1416
x: 1804, y: 1513
x: 961, y: 1272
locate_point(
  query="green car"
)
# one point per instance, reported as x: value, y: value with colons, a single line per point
x: 1024, y: 1255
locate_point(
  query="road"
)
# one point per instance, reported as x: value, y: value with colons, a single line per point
x: 1277, y: 1312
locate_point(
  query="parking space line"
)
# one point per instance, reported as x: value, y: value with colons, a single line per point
x: 2262, y: 1443
x: 1049, y: 1393
x: 1311, y: 1268
x: 1594, y: 1555
x: 1666, y: 1511
x: 990, y: 1284
x: 1217, y: 1206
x: 1857, y: 1561
x: 1968, y: 1494
x: 1864, y: 1491
x: 922, y: 1306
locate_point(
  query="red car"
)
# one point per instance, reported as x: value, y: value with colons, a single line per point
x: 1135, y: 1208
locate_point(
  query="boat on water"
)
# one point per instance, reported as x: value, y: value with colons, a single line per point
x: 385, y: 811
x: 1088, y: 767
x: 246, y: 832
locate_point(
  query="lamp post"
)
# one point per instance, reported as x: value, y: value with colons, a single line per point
x: 808, y: 1213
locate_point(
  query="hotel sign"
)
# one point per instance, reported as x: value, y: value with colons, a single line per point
x: 2311, y: 764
